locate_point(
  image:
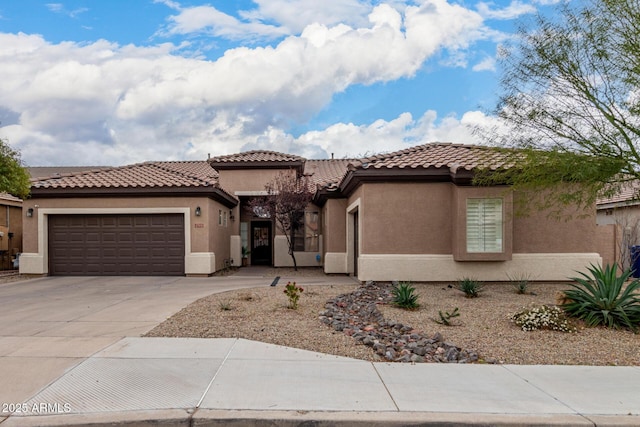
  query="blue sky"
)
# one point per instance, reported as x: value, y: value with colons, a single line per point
x: 123, y: 81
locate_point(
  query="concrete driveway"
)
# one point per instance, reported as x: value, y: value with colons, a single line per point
x: 51, y: 324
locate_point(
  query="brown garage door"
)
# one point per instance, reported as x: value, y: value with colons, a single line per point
x: 118, y: 245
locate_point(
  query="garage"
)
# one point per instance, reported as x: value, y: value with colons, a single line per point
x: 116, y: 245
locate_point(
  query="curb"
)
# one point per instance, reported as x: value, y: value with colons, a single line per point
x: 242, y: 418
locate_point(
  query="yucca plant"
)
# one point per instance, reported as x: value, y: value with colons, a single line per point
x: 602, y: 299
x: 404, y: 296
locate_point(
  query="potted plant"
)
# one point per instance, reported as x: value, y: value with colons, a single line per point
x: 245, y: 256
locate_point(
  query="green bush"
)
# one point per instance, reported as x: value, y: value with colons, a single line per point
x: 542, y: 317
x: 600, y: 298
x: 470, y: 287
x: 404, y: 296
x: 293, y: 291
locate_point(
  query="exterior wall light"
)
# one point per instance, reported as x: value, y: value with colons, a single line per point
x: 198, y: 211
x: 231, y: 216
x: 29, y: 212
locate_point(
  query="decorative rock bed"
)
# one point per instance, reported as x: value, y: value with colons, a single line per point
x: 356, y: 314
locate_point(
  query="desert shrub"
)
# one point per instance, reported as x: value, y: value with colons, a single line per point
x: 520, y: 282
x: 293, y: 291
x: 225, y: 305
x: 404, y: 296
x: 601, y: 298
x: 470, y: 287
x: 549, y: 317
x: 445, y: 319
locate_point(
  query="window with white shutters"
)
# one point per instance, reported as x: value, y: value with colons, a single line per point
x: 484, y: 225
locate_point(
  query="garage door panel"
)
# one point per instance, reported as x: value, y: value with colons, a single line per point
x: 109, y: 237
x: 124, y: 221
x: 116, y: 244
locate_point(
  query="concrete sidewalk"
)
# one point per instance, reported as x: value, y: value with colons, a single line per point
x: 183, y: 381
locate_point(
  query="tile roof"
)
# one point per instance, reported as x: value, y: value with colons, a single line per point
x: 328, y: 172
x: 257, y: 156
x: 6, y: 197
x: 628, y: 194
x: 41, y: 172
x: 141, y: 175
x: 438, y: 155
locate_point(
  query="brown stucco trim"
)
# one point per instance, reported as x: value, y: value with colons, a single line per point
x: 214, y: 193
x: 356, y: 177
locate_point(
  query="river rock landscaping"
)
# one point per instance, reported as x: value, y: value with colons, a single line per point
x: 356, y: 314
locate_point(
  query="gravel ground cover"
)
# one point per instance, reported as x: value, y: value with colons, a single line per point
x: 483, y: 325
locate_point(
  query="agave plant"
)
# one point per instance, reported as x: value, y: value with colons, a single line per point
x: 404, y: 296
x: 470, y: 287
x: 602, y: 299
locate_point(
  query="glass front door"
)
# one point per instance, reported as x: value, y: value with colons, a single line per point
x: 261, y: 243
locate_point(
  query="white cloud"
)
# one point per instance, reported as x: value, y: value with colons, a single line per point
x: 103, y: 103
x: 55, y: 7
x: 59, y: 8
x: 514, y: 10
x: 295, y: 15
x: 270, y: 19
x: 487, y: 64
x: 350, y: 140
x: 209, y: 20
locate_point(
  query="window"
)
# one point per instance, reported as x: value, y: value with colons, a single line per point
x: 484, y: 226
x: 306, y: 238
x: 244, y: 234
x: 224, y: 219
x: 220, y: 217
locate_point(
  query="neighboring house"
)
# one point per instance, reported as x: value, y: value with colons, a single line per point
x: 618, y: 219
x: 10, y: 230
x: 408, y: 215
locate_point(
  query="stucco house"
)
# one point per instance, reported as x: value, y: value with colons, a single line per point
x: 10, y: 230
x: 407, y: 215
x: 618, y: 219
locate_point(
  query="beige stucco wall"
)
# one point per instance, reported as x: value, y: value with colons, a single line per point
x: 253, y: 180
x: 281, y: 257
x: 409, y: 231
x: 206, y: 243
x: 537, y: 232
x: 409, y: 218
x: 607, y: 244
x: 334, y: 225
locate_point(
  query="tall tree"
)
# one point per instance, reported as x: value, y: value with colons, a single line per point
x: 288, y: 195
x: 570, y: 103
x: 14, y: 178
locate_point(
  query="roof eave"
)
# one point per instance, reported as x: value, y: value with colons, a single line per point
x: 212, y: 192
x: 356, y: 177
x: 257, y: 165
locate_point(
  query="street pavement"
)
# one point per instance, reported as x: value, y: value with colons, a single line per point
x: 71, y: 354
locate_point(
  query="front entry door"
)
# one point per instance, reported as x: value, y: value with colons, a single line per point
x: 261, y: 242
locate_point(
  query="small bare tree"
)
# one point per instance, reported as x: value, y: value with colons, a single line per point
x: 288, y: 194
